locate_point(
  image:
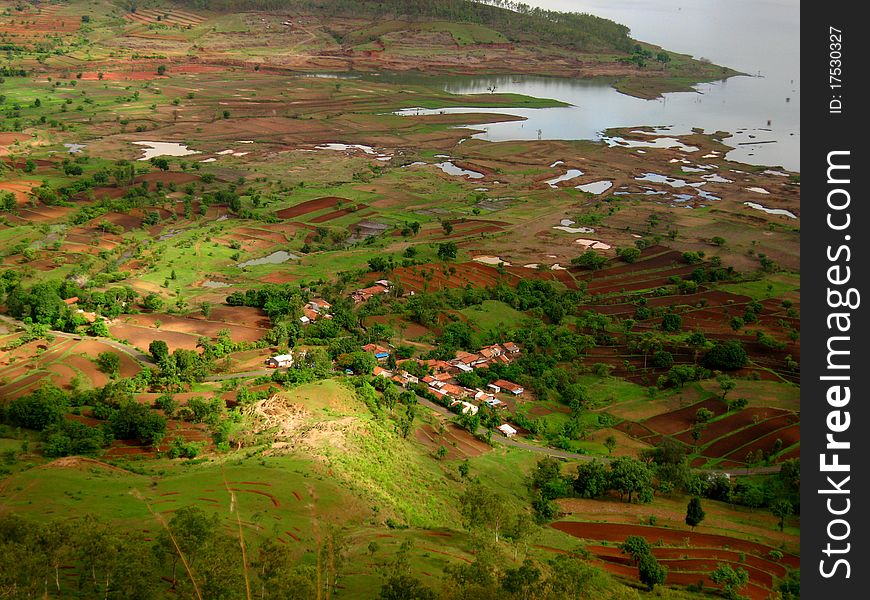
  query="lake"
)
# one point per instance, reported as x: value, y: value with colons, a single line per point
x: 761, y: 110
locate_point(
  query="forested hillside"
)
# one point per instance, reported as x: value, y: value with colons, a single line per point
x: 518, y: 21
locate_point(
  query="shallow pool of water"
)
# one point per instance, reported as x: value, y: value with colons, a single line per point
x: 276, y: 258
x: 571, y: 174
x: 676, y: 183
x: 451, y: 169
x: 771, y: 211
x: 154, y: 149
x: 597, y: 187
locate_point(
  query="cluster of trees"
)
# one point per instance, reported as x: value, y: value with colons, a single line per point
x: 45, y: 410
x: 111, y: 563
x: 650, y: 571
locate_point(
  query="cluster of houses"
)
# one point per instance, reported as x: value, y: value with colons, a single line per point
x: 443, y: 384
x: 381, y: 286
x: 315, y: 309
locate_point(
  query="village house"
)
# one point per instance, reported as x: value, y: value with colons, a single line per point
x: 315, y: 309
x: 382, y: 372
x: 281, y: 360
x: 511, y: 348
x: 381, y: 286
x: 507, y: 430
x: 467, y: 407
x: 380, y: 352
x: 495, y: 404
x: 490, y: 352
x: 507, y: 386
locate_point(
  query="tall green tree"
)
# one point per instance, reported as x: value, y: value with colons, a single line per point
x: 694, y: 512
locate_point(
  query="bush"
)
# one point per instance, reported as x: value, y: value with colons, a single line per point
x: 40, y: 409
x: 727, y: 356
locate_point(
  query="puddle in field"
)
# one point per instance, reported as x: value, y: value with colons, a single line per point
x: 716, y: 178
x: 758, y: 190
x: 571, y: 174
x: 490, y: 260
x: 276, y: 258
x: 557, y: 163
x: 75, y: 148
x: 567, y: 229
x: 596, y: 244
x: 345, y: 147
x: 676, y: 183
x: 771, y: 211
x: 154, y: 149
x: 451, y: 169
x: 598, y: 187
x: 662, y: 142
x: 208, y: 283
x: 707, y: 195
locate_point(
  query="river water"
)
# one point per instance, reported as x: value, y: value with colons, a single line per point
x: 761, y: 110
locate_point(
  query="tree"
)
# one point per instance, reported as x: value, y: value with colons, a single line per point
x: 651, y: 572
x: 635, y: 546
x: 161, y: 69
x: 108, y: 362
x: 185, y: 536
x: 726, y: 384
x: 447, y: 226
x: 662, y: 360
x: 481, y: 508
x: 589, y: 260
x: 703, y: 415
x: 593, y: 479
x: 160, y: 163
x: 405, y: 587
x: 39, y: 409
x: 629, y: 476
x: 464, y: 468
x: 610, y: 444
x: 205, y: 309
x: 159, y: 350
x: 731, y: 580
x: 134, y: 421
x: 781, y: 509
x: 152, y: 302
x: 694, y: 512
x: 672, y: 322
x: 447, y: 251
x: 628, y: 254
x: 727, y: 356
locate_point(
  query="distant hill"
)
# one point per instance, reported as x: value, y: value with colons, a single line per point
x: 517, y: 21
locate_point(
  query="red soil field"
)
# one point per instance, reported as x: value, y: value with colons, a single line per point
x: 141, y: 337
x: 466, y: 445
x: 682, y: 419
x: 635, y: 430
x: 789, y: 435
x: 730, y: 443
x: 732, y: 423
x: 336, y: 214
x: 310, y: 206
x: 763, y: 565
x: 617, y: 532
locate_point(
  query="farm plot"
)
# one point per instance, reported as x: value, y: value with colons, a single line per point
x: 690, y: 555
x: 310, y: 206
x: 457, y: 441
x: 732, y: 436
x: 244, y: 325
x: 60, y: 362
